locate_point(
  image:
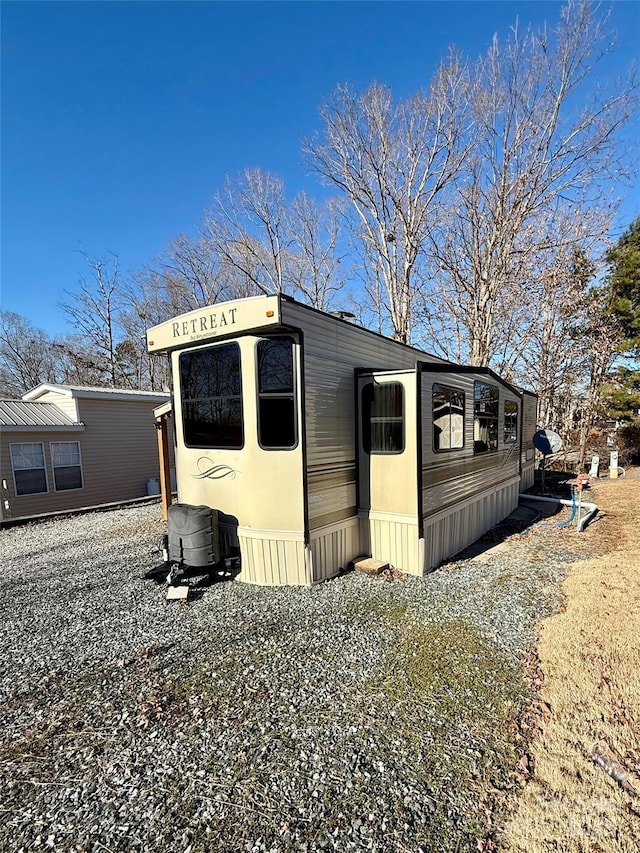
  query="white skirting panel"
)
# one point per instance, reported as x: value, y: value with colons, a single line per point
x: 273, y: 558
x: 333, y: 547
x: 528, y: 473
x: 393, y: 539
x: 450, y: 531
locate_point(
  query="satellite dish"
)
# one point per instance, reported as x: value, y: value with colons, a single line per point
x: 547, y: 441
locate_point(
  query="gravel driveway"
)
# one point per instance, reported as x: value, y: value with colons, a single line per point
x: 361, y: 714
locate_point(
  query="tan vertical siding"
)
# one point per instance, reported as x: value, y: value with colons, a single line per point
x: 446, y: 533
x: 395, y: 541
x: 268, y: 560
x: 332, y: 548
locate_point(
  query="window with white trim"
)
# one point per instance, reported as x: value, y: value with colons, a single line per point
x: 27, y: 463
x: 67, y: 465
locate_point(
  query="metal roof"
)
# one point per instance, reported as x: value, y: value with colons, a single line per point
x: 86, y: 391
x: 19, y: 415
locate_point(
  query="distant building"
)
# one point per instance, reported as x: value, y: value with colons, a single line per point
x: 65, y: 447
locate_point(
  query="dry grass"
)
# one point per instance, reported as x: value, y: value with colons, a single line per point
x: 590, y: 659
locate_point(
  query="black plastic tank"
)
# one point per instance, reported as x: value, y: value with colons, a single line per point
x: 193, y: 535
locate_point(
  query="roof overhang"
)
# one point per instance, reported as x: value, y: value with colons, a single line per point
x: 94, y: 394
x: 43, y: 428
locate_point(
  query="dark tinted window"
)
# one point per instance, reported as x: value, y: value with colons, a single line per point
x: 211, y: 390
x: 67, y: 467
x: 276, y: 396
x: 27, y: 461
x: 510, y: 422
x: 485, y: 417
x: 383, y: 418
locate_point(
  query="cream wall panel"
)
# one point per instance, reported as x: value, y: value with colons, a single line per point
x: 262, y: 489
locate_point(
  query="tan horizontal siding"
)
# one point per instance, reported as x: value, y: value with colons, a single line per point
x: 120, y: 448
x: 529, y: 423
x: 332, y: 351
x: 119, y: 454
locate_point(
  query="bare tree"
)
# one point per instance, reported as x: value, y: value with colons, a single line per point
x: 266, y: 244
x: 538, y: 163
x: 554, y: 360
x: 392, y: 160
x: 317, y: 235
x: 26, y: 356
x: 94, y: 312
x: 248, y: 231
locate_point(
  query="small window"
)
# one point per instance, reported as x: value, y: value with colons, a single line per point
x: 27, y: 462
x: 211, y: 391
x: 383, y: 418
x: 485, y: 417
x: 448, y: 418
x: 67, y: 466
x: 510, y: 422
x: 276, y: 397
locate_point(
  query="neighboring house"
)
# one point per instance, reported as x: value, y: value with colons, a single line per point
x: 65, y: 447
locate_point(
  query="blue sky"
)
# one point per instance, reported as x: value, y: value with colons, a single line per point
x: 120, y: 120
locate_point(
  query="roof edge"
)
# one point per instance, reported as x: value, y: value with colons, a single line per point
x: 88, y: 393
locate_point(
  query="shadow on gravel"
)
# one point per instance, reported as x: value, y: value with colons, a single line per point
x: 519, y: 522
x: 196, y: 579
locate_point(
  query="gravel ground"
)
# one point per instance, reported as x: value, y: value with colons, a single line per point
x: 361, y: 714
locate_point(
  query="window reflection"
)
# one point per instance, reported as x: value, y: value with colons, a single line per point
x: 211, y: 391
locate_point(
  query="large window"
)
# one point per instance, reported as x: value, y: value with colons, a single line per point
x: 276, y: 399
x: 485, y: 417
x: 67, y: 465
x: 510, y: 422
x: 211, y: 392
x: 27, y: 462
x: 383, y: 418
x: 448, y: 418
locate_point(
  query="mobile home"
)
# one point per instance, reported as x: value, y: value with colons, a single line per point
x: 68, y: 447
x: 315, y: 441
